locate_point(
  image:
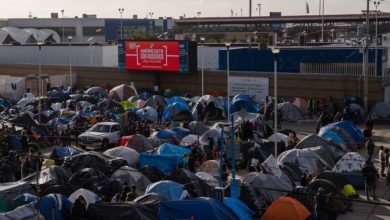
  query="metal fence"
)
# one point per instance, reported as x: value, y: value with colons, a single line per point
x: 63, y: 80
x: 340, y: 69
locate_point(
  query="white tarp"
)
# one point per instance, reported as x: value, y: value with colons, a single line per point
x: 12, y: 87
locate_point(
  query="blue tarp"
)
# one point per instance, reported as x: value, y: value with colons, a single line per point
x: 5, y: 104
x: 16, y: 143
x: 53, y: 206
x: 238, y: 207
x: 170, y: 189
x: 173, y: 150
x: 243, y: 102
x: 25, y: 198
x: 199, y: 208
x: 132, y: 110
x: 57, y: 94
x: 181, y: 132
x: 166, y: 163
x: 63, y: 152
x: 166, y: 134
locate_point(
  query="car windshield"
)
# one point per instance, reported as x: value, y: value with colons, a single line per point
x: 101, y: 128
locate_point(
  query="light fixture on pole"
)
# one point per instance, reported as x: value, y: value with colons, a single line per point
x: 90, y: 48
x: 227, y: 44
x: 332, y: 35
x: 151, y: 15
x: 40, y: 86
x: 121, y: 10
x: 70, y: 63
x: 275, y: 52
x: 199, y: 13
x: 259, y: 8
x: 202, y: 39
x: 63, y: 26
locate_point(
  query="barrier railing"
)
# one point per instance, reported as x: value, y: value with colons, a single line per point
x: 340, y: 69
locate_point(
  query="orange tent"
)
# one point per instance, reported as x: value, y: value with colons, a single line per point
x: 286, y: 208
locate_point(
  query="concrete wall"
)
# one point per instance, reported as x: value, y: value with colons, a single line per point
x: 215, y: 82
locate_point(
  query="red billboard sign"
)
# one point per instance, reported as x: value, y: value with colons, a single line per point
x: 153, y: 55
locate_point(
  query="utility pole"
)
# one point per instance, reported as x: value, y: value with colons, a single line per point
x: 319, y: 8
x: 250, y: 8
x: 259, y: 8
x: 365, y: 73
x: 322, y: 20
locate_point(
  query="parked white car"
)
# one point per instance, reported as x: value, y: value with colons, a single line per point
x: 101, y: 135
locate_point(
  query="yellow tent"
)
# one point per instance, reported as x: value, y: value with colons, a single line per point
x: 127, y: 105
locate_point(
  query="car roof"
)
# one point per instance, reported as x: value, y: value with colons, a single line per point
x: 107, y: 123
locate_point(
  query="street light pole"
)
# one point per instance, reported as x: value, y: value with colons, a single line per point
x: 259, y: 7
x: 121, y: 10
x: 227, y: 44
x: 322, y: 21
x: 365, y: 71
x: 40, y: 86
x: 70, y: 63
x: 275, y: 52
x: 63, y: 26
x: 202, y: 39
x: 377, y: 3
x: 90, y: 49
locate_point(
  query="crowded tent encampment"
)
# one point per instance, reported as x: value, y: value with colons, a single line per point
x: 95, y: 153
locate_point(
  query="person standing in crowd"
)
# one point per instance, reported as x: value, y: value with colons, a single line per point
x: 382, y: 158
x: 388, y: 182
x: 124, y: 123
x: 321, y: 204
x: 199, y: 111
x: 387, y: 157
x: 79, y: 209
x: 159, y: 114
x: 26, y: 167
x: 370, y: 148
x: 370, y: 176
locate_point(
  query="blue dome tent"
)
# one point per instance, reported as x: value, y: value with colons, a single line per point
x: 243, y: 102
x: 177, y: 112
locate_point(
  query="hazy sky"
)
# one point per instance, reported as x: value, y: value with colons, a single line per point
x: 174, y: 8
